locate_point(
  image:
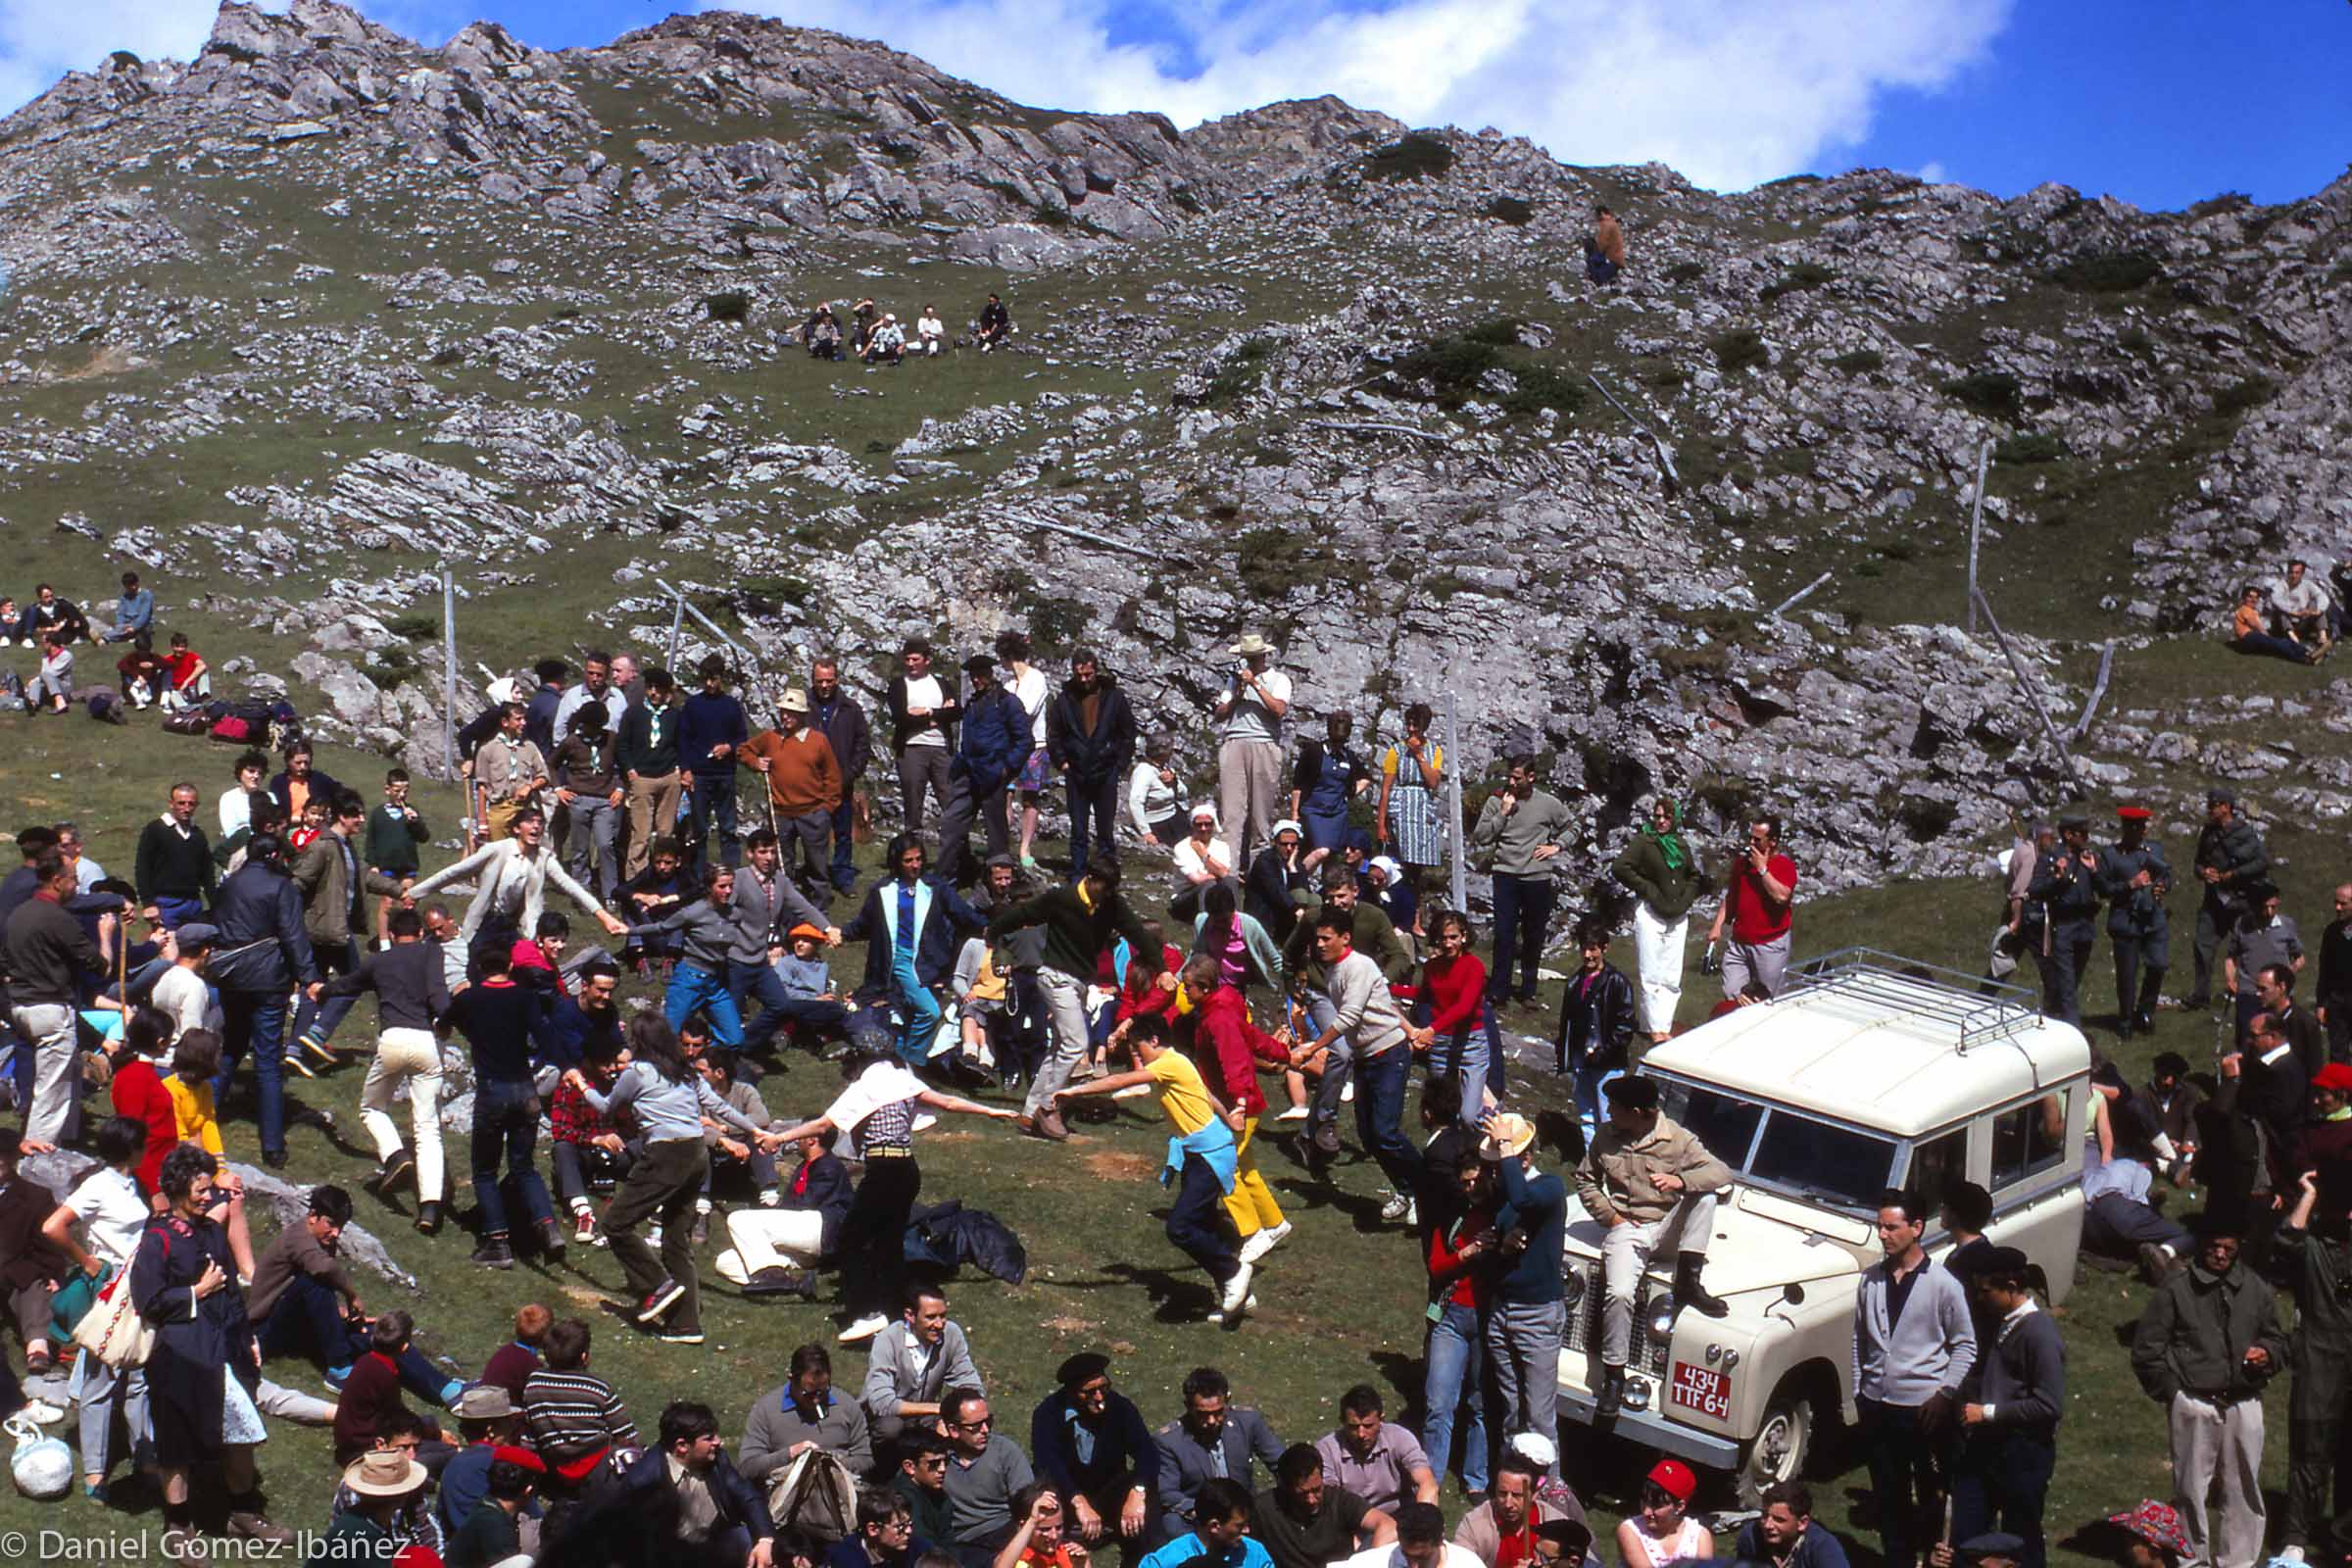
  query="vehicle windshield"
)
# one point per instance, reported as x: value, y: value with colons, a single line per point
x: 1816, y: 1159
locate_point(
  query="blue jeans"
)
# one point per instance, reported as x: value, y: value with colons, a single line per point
x: 919, y: 1010
x: 308, y: 1321
x: 712, y: 796
x: 1522, y: 918
x: 845, y: 824
x: 1455, y: 1344
x: 256, y: 1021
x: 506, y: 1119
x: 1094, y: 806
x: 694, y: 989
x: 318, y: 1021
x: 171, y: 913
x: 757, y: 980
x: 1197, y: 1222
x: 1468, y: 1056
x: 1592, y: 1108
x: 1380, y: 1114
x: 2001, y: 1483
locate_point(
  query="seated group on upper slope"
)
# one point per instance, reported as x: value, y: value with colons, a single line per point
x: 875, y: 336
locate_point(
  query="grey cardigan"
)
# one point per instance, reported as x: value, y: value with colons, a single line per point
x: 1928, y: 1353
x: 895, y: 1372
x: 1510, y: 843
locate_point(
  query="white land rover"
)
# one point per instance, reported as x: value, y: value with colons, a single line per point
x: 1868, y: 1072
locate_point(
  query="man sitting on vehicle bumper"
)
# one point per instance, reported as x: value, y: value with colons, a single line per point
x: 1654, y: 1184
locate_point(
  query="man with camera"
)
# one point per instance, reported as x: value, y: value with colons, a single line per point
x: 1758, y: 902
x: 2065, y: 885
x: 1249, y: 712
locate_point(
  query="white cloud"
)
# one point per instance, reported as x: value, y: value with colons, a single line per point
x: 1730, y: 92
x: 41, y: 41
x: 1933, y: 171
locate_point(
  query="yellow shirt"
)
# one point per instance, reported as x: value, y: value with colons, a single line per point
x: 193, y: 1104
x: 1396, y: 758
x: 1182, y: 1094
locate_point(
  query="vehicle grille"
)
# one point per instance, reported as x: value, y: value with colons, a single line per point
x: 1583, y: 1319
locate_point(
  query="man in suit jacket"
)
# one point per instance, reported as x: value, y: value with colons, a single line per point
x: 1214, y: 1439
x: 717, y: 1508
x: 335, y: 884
x: 915, y: 1361
x: 913, y: 925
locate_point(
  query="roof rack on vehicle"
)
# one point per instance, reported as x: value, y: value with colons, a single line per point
x: 1979, y: 1011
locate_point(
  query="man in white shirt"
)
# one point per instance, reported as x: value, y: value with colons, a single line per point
x: 1420, y: 1544
x: 510, y: 878
x: 931, y: 331
x: 2302, y: 603
x: 1249, y: 712
x: 181, y: 990
x: 595, y: 685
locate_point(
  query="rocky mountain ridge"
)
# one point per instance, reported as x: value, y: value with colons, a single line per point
x: 330, y: 305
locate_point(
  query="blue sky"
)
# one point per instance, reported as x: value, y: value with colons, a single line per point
x: 2160, y: 102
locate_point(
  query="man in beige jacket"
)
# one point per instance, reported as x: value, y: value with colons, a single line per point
x: 1653, y: 1185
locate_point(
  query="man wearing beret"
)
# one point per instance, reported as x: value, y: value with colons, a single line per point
x: 2134, y: 877
x: 2229, y: 858
x: 2064, y: 885
x: 1092, y: 1448
x: 2011, y: 1402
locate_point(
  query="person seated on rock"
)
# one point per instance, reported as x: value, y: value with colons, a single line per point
x: 32, y: 1266
x: 585, y: 1143
x: 304, y: 1304
x: 823, y: 334
x: 2302, y: 607
x: 810, y: 1002
x: 2249, y: 631
x: 48, y: 613
x: 930, y: 331
x: 191, y: 680
x: 651, y: 897
x: 730, y: 1150
x: 996, y: 324
x: 807, y: 1410
x: 888, y: 343
x: 146, y: 673
x: 866, y: 316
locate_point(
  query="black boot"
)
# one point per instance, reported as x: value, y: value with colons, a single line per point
x: 428, y: 1217
x: 1688, y: 1292
x: 2145, y: 1021
x: 1612, y: 1393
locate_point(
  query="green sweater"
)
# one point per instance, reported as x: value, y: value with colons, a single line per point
x: 1510, y: 842
x: 1076, y: 937
x: 1669, y: 894
x: 392, y: 840
x: 1374, y: 935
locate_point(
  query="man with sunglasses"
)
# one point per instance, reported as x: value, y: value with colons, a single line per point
x: 985, y: 1468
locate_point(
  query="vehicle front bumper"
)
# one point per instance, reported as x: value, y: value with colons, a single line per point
x: 1650, y: 1427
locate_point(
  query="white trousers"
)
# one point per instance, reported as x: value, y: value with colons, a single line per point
x: 771, y: 1238
x: 1658, y: 961
x: 2211, y: 1442
x: 412, y: 1057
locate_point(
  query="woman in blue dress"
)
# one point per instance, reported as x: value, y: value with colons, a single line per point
x: 1327, y: 777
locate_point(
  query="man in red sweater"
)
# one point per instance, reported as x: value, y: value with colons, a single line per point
x: 1228, y: 1047
x: 1758, y: 902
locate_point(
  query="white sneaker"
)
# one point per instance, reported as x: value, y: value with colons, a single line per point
x: 41, y: 1413
x: 1396, y: 1208
x: 1237, y: 1290
x: 1294, y: 1113
x: 1348, y: 1093
x: 1218, y: 1318
x: 865, y: 1328
x: 1265, y: 1241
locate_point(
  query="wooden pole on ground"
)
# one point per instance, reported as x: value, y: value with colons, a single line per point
x: 2025, y: 684
x: 1976, y: 532
x: 449, y: 667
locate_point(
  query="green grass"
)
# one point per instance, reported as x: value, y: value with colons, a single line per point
x: 1341, y: 1303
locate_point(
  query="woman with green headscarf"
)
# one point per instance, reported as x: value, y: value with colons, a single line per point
x: 1666, y: 879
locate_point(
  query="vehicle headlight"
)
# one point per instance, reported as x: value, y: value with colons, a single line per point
x: 1661, y: 1319
x: 1571, y: 1289
x: 1730, y: 1359
x: 1714, y: 1354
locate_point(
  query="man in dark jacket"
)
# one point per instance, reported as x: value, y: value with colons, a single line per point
x: 262, y: 953
x: 710, y: 728
x: 914, y: 924
x: 173, y: 869
x: 647, y: 753
x: 1214, y: 1439
x: 2011, y: 1399
x: 1081, y: 921
x: 1090, y: 1445
x: 2207, y: 1346
x: 717, y: 1508
x: 988, y: 753
x: 843, y: 723
x: 48, y: 952
x: 31, y: 1266
x: 1596, y: 1025
x: 1090, y: 733
x: 2066, y: 884
x: 2231, y: 859
x: 2310, y: 1252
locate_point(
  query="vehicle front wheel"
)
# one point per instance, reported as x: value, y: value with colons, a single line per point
x: 1779, y: 1449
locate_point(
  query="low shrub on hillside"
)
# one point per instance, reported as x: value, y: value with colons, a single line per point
x: 2107, y: 273
x: 1740, y: 349
x: 1994, y: 392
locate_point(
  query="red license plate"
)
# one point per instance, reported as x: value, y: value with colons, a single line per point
x: 1695, y: 1388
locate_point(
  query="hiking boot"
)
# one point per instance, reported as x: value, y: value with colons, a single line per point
x: 1611, y: 1399
x: 2155, y: 1262
x: 494, y: 1252
x: 774, y: 1281
x: 551, y: 1236
x: 398, y: 1166
x: 249, y: 1523
x: 1688, y: 1292
x: 428, y: 1217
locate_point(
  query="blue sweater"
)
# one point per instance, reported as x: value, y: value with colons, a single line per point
x: 1122, y: 1446
x: 706, y: 721
x: 1538, y: 1205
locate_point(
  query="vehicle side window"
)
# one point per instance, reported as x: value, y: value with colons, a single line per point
x: 2028, y: 1139
x: 1935, y: 1166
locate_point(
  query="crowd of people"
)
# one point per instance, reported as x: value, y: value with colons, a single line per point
x: 875, y: 336
x: 1295, y: 942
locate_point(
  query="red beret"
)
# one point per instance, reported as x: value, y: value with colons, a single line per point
x: 2134, y: 814
x: 2335, y: 1076
x: 525, y: 1457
